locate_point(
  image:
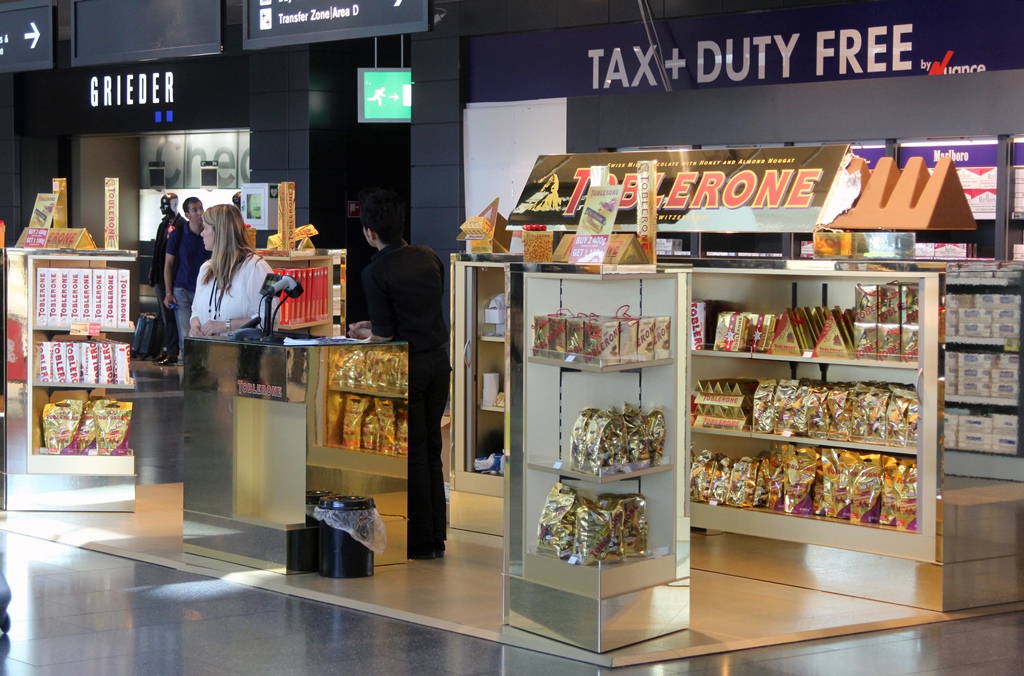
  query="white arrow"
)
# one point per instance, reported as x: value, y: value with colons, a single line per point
x: 394, y: 97
x: 34, y: 35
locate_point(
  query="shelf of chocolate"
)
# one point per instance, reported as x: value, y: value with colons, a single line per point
x: 979, y: 401
x: 562, y: 469
x: 86, y: 386
x: 365, y: 391
x: 808, y: 441
x: 806, y: 358
x: 578, y: 362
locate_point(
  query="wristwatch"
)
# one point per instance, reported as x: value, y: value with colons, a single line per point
x: 227, y: 323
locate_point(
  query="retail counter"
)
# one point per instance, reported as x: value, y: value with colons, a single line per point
x: 266, y: 423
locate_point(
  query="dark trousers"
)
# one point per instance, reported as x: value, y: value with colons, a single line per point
x: 170, y: 324
x: 429, y: 376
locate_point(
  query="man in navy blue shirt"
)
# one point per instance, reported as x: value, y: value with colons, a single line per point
x: 185, y: 253
x: 404, y: 288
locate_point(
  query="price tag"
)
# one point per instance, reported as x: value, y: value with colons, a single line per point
x: 787, y: 433
x: 35, y: 238
x: 808, y: 354
x: 85, y: 328
x: 571, y: 357
x: 558, y: 464
x: 588, y: 248
x: 574, y: 559
x: 713, y: 503
x: 626, y: 469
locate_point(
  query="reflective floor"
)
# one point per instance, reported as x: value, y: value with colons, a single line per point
x: 81, y: 612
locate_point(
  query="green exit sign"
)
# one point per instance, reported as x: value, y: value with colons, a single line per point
x: 385, y: 94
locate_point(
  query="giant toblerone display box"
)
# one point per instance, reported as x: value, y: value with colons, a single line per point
x: 111, y: 217
x: 286, y: 214
x: 909, y: 200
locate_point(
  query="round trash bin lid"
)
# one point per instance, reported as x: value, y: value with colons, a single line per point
x: 314, y: 497
x: 346, y: 502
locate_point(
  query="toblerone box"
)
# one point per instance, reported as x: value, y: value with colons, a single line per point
x: 109, y: 298
x: 647, y: 207
x: 111, y: 224
x: 96, y: 293
x: 286, y: 214
x: 76, y: 295
x: 52, y: 296
x: 86, y: 301
x: 42, y: 287
x: 64, y: 297
x: 123, y: 298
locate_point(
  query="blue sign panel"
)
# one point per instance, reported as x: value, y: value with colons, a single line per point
x: 887, y: 38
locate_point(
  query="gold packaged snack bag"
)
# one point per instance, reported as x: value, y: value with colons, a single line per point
x: 801, y: 464
x: 656, y: 431
x: 869, y: 419
x: 700, y: 476
x: 634, y: 426
x: 370, y: 431
x: 113, y: 420
x: 594, y: 539
x: 597, y: 451
x: 402, y: 432
x: 742, y: 481
x: 799, y: 406
x: 720, y: 475
x: 777, y: 476
x: 905, y: 487
x: 819, y: 508
x: 840, y: 403
x: 836, y: 466
x: 578, y: 440
x: 763, y: 480
x: 890, y: 469
x: 85, y: 435
x: 60, y: 421
x: 902, y: 415
x: 555, y: 531
x: 385, y: 410
x: 612, y: 508
x: 785, y: 405
x: 352, y: 426
x: 866, y: 489
x: 816, y: 411
x: 764, y: 407
x: 634, y: 524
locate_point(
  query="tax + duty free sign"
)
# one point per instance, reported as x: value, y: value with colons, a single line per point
x: 886, y: 38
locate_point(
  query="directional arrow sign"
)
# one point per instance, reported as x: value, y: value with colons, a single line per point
x: 26, y: 35
x: 33, y: 35
x: 267, y: 23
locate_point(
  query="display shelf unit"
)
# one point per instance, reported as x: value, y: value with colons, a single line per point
x: 992, y: 460
x: 629, y: 600
x: 758, y: 356
x: 35, y: 481
x: 477, y: 430
x: 333, y: 260
x: 765, y: 290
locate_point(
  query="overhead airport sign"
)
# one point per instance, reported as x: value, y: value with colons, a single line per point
x: 277, y: 23
x: 26, y: 36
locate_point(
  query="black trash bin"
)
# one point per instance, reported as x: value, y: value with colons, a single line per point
x: 341, y: 555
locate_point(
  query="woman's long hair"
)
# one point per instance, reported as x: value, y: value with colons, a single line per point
x: 230, y: 247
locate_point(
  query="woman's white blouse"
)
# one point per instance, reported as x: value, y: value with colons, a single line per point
x: 242, y: 300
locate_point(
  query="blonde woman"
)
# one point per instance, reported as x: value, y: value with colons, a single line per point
x: 228, y: 287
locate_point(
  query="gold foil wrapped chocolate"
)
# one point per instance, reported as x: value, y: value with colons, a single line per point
x: 656, y: 432
x: 777, y: 476
x: 720, y: 474
x: 402, y: 431
x: 787, y: 405
x: 634, y: 427
x: 816, y: 411
x: 762, y: 480
x: 370, y: 432
x: 352, y: 426
x: 60, y: 421
x: 385, y: 413
x: 840, y: 412
x: 869, y: 423
x: 555, y: 531
x: 85, y: 435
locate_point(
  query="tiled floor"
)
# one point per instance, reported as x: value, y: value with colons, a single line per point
x: 82, y: 612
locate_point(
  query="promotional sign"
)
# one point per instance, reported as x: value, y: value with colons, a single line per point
x: 34, y: 238
x: 732, y: 190
x: 896, y: 38
x: 26, y: 31
x: 42, y: 212
x: 60, y: 208
x: 266, y: 23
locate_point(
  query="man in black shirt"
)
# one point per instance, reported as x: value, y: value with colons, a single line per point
x: 171, y: 221
x: 404, y: 287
